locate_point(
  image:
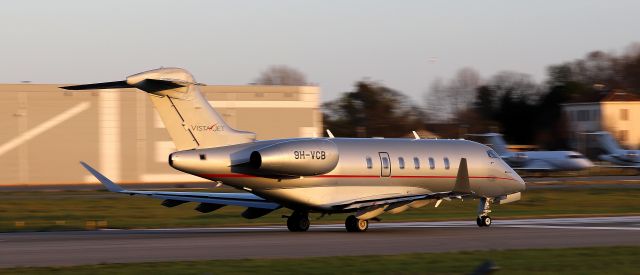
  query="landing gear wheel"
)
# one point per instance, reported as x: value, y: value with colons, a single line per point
x: 353, y: 224
x: 484, y: 208
x: 298, y: 222
x: 483, y: 221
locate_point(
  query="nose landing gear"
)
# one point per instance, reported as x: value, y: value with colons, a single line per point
x: 483, y: 219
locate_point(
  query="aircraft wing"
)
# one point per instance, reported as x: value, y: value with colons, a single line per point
x: 359, y: 204
x: 238, y: 199
x: 460, y: 189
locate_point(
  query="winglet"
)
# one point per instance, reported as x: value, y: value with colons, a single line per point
x: 104, y: 180
x: 462, y: 179
x: 330, y: 133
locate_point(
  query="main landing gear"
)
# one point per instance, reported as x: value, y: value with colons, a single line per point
x: 483, y: 213
x: 354, y: 224
x: 298, y: 222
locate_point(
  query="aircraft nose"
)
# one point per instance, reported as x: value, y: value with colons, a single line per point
x: 583, y: 164
x: 588, y: 163
x: 520, y: 184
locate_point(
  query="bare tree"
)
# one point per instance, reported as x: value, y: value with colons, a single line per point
x: 519, y: 84
x: 370, y: 110
x: 444, y: 101
x: 437, y: 101
x: 282, y: 75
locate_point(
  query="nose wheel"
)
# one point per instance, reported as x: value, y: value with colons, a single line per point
x: 483, y: 221
x: 353, y: 224
x: 484, y: 208
x: 298, y: 222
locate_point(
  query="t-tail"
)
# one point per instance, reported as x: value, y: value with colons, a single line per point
x: 493, y: 140
x: 187, y: 115
x: 607, y: 143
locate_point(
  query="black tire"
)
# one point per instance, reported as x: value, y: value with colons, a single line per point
x: 298, y: 223
x: 479, y: 222
x: 484, y: 221
x: 353, y: 224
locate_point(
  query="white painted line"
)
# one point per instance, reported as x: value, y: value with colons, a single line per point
x: 574, y: 227
x: 43, y: 127
x: 554, y: 223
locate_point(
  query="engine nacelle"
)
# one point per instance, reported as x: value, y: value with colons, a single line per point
x: 296, y: 158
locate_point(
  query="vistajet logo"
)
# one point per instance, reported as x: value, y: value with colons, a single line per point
x: 208, y: 128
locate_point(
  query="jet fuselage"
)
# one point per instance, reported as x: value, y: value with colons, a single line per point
x: 365, y: 169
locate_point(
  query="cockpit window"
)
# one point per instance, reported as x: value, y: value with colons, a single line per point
x: 575, y: 156
x: 492, y: 154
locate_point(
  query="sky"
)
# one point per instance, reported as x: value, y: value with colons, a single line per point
x: 405, y: 45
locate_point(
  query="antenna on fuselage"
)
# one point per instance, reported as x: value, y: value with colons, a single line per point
x: 330, y: 133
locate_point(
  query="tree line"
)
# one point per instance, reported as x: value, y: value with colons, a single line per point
x: 512, y: 103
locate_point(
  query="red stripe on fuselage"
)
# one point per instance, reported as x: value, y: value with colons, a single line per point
x: 355, y: 176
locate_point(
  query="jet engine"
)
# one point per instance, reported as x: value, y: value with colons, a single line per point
x: 296, y: 158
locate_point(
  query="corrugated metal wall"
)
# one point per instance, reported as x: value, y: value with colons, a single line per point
x: 46, y: 131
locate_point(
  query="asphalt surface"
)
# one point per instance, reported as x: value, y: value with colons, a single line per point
x: 120, y: 246
x: 532, y: 183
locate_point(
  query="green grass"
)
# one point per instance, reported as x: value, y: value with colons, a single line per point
x: 601, y: 260
x: 70, y: 210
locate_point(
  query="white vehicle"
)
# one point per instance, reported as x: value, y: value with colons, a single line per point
x: 535, y: 160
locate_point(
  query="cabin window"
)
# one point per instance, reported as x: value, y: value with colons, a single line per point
x: 492, y: 154
x: 203, y: 157
x: 416, y: 163
x: 401, y: 162
x: 369, y: 163
x: 446, y: 163
x: 623, y: 135
x: 432, y: 163
x: 624, y: 114
x: 385, y: 163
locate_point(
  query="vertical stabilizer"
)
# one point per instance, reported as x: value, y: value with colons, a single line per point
x: 497, y: 143
x: 185, y: 112
x: 607, y: 143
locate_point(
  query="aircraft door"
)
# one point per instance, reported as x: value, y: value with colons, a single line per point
x: 385, y: 164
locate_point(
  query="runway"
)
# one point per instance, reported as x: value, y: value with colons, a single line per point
x: 148, y: 245
x: 532, y: 183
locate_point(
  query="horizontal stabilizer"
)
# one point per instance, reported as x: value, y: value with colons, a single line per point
x: 104, y: 85
x: 148, y: 85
